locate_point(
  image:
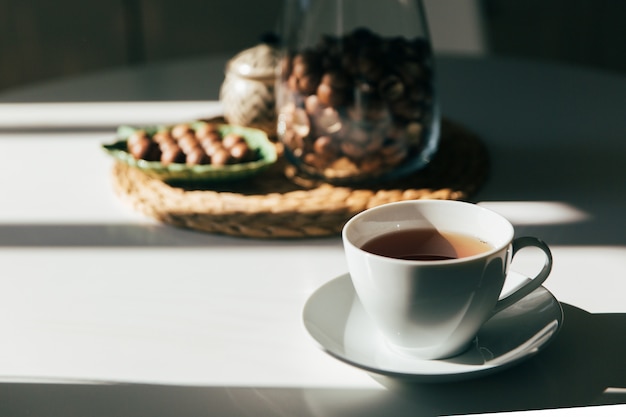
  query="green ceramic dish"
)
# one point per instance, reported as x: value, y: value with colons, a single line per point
x: 257, y: 140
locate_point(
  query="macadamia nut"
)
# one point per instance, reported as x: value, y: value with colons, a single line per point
x: 182, y: 144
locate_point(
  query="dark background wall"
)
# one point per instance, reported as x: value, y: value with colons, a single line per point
x: 583, y: 32
x: 46, y: 39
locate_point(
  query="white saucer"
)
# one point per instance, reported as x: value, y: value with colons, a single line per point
x: 334, y: 317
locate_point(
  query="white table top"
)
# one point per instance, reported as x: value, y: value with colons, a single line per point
x: 105, y: 312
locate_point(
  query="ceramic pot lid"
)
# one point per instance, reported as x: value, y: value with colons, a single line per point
x: 258, y: 62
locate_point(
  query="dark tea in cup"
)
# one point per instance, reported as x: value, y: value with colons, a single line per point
x: 425, y: 245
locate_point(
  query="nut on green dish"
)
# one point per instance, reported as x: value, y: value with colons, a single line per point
x: 194, y: 152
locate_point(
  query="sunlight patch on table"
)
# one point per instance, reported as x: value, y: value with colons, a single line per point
x: 537, y: 212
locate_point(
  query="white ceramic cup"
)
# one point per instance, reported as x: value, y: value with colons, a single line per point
x: 433, y: 309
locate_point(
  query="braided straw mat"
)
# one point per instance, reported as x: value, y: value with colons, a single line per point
x: 271, y: 205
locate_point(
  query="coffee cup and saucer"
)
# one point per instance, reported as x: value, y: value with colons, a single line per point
x: 430, y: 296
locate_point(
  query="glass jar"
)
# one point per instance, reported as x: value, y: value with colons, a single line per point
x: 356, y: 98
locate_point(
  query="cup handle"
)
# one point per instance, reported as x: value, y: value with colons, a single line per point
x: 533, y: 283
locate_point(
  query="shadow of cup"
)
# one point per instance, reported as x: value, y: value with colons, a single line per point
x: 584, y: 365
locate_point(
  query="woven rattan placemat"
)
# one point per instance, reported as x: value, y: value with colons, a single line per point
x: 273, y: 206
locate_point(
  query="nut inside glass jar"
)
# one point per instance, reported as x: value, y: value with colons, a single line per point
x: 358, y: 107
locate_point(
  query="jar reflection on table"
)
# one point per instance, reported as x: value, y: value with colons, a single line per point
x: 355, y: 95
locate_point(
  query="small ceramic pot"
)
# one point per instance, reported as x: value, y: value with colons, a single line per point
x: 247, y: 93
